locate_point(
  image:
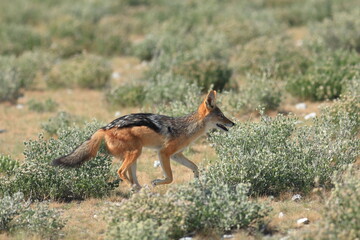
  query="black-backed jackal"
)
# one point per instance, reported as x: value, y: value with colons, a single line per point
x: 126, y: 136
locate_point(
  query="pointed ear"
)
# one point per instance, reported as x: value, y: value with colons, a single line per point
x: 210, y: 100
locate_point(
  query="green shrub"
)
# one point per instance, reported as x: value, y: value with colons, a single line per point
x: 55, y: 124
x: 16, y: 39
x: 275, y: 155
x: 111, y: 38
x: 167, y: 88
x: 126, y: 95
x: 165, y: 214
x: 257, y: 91
x: 8, y: 165
x: 38, y: 179
x: 219, y: 207
x: 197, y: 207
x: 9, y: 208
x: 85, y: 71
x: 340, y: 32
x: 48, y: 106
x: 250, y: 24
x: 277, y: 57
x: 186, y: 100
x: 76, y: 34
x: 299, y: 13
x: 17, y: 214
x: 341, y: 218
x: 32, y: 63
x: 205, y: 73
x: 326, y: 77
x: 146, y: 49
x: 205, y: 64
x: 9, y: 80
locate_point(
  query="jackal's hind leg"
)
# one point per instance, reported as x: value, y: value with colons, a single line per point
x: 132, y: 177
x: 130, y: 157
x: 180, y: 158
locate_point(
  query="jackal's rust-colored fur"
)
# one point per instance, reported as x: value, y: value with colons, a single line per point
x: 126, y: 136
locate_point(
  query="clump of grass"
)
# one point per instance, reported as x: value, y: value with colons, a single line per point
x: 85, y: 71
x: 48, y: 105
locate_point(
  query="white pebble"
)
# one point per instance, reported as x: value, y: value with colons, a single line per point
x: 115, y: 75
x: 281, y: 215
x: 303, y: 221
x: 156, y: 163
x: 117, y: 114
x: 300, y: 106
x: 310, y: 115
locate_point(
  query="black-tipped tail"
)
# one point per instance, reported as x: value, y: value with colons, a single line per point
x: 82, y: 153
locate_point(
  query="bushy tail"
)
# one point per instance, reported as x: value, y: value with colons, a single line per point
x: 82, y: 153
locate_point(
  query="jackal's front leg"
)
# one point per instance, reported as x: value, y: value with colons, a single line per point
x: 166, y: 167
x: 180, y: 158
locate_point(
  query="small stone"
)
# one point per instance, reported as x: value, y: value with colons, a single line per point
x: 310, y: 115
x: 303, y: 221
x: 2, y: 130
x: 186, y: 238
x: 300, y: 106
x: 296, y: 197
x: 117, y: 114
x: 115, y: 75
x: 281, y: 215
x: 20, y: 106
x: 228, y: 236
x: 95, y: 216
x: 156, y: 163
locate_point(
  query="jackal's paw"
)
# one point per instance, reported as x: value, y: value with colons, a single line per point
x: 135, y: 188
x: 156, y: 182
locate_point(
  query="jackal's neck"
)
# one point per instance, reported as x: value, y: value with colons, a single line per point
x: 195, y: 124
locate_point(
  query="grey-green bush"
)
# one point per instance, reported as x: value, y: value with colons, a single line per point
x: 340, y: 32
x: 257, y: 91
x: 85, y: 71
x: 61, y: 121
x: 340, y: 219
x: 165, y: 214
x: 276, y: 155
x: 16, y: 39
x: 326, y: 77
x: 196, y: 207
x: 17, y: 214
x: 126, y: 95
x: 7, y: 165
x: 48, y: 105
x: 38, y: 179
x: 9, y: 80
x: 219, y: 207
x: 278, y: 57
x: 204, y: 63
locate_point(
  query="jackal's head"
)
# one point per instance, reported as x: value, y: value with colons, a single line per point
x: 212, y: 115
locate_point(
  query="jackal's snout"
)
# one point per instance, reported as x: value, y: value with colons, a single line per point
x: 224, y: 123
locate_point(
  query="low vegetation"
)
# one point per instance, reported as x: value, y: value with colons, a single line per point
x: 161, y: 56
